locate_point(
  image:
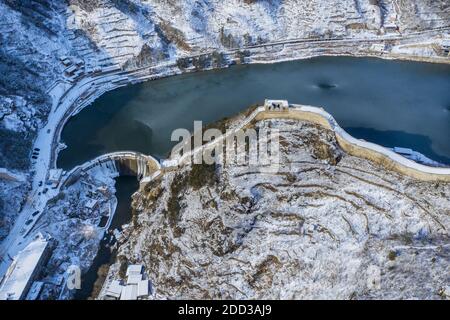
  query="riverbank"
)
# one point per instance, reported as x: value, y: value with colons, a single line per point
x: 383, y: 157
x: 92, y: 280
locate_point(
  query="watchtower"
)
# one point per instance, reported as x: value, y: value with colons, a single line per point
x: 276, y: 105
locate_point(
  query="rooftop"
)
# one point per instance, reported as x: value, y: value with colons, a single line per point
x: 134, y: 268
x: 91, y: 204
x: 129, y: 292
x: 134, y: 278
x: 143, y: 288
x: 114, y: 289
x: 24, y: 267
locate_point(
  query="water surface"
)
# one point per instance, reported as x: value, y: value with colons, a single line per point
x: 391, y: 103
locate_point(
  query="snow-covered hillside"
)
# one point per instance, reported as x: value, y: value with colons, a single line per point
x: 327, y: 225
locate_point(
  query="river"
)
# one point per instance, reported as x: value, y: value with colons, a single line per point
x: 392, y: 103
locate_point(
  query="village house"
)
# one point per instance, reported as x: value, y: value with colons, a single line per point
x: 276, y: 105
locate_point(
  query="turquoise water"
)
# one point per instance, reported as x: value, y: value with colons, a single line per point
x: 391, y: 103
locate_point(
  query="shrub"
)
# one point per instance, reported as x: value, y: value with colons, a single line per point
x: 173, y: 205
x: 123, y: 266
x: 15, y: 149
x: 392, y: 255
x: 202, y: 175
x: 170, y: 34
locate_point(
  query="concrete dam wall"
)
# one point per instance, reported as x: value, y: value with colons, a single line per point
x: 125, y: 163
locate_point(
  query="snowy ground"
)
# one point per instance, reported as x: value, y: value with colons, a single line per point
x: 14, y: 192
x: 327, y: 225
x: 75, y: 227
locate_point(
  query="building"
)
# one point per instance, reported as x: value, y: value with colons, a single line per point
x: 134, y: 269
x: 134, y: 278
x: 66, y: 60
x: 129, y: 293
x: 70, y: 71
x: 104, y: 191
x: 79, y: 62
x: 276, y: 105
x: 390, y: 24
x: 114, y: 289
x: 391, y: 27
x: 25, y: 267
x: 135, y: 288
x: 143, y: 288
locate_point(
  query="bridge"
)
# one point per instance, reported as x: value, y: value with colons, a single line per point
x: 125, y: 163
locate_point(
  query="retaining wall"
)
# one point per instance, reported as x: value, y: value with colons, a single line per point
x: 356, y: 147
x: 123, y: 162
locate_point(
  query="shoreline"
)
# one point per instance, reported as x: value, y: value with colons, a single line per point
x: 74, y: 108
x: 351, y: 145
